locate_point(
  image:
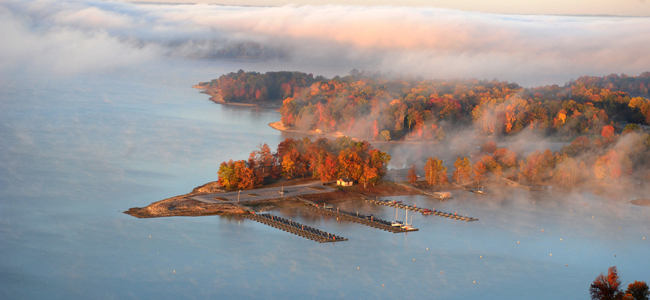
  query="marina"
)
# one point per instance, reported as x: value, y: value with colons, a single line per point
x: 367, y: 220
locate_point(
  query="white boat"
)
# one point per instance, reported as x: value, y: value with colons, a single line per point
x: 406, y: 225
x: 396, y: 223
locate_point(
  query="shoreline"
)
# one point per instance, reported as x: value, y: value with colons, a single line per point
x: 184, y: 205
x: 280, y: 127
x: 216, y: 98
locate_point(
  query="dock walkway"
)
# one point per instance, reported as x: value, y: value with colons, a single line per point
x: 295, y: 228
x: 355, y: 217
x: 361, y: 219
x: 424, y: 211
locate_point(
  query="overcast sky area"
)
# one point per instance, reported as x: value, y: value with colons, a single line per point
x: 467, y: 41
x: 564, y: 7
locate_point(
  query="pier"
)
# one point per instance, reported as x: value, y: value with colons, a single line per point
x: 295, y: 228
x: 361, y: 219
x: 356, y: 217
x: 424, y: 211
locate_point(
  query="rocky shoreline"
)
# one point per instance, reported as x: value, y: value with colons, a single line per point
x: 183, y: 205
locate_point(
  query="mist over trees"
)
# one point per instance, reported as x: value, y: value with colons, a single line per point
x: 243, y: 86
x: 606, y: 158
x: 372, y: 107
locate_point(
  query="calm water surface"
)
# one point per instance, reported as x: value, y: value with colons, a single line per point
x: 76, y: 151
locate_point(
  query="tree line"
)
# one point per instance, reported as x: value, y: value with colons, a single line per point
x: 253, y: 87
x: 322, y: 159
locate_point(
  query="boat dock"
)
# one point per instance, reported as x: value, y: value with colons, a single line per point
x: 361, y: 219
x: 439, y: 196
x: 424, y: 211
x: 295, y: 228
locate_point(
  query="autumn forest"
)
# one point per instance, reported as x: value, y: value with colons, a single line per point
x: 587, y: 112
x: 368, y: 106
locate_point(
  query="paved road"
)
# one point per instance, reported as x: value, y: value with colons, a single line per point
x: 267, y: 193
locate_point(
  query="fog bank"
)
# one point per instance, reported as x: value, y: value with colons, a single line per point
x: 72, y: 37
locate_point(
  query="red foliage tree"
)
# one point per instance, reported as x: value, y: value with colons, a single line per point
x: 608, y: 131
x: 637, y: 291
x: 606, y: 287
x: 329, y: 168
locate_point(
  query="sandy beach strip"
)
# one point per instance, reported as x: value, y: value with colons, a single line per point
x: 641, y: 202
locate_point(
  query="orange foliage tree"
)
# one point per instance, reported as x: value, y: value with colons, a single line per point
x: 463, y: 172
x: 479, y: 172
x: 435, y: 172
x: 321, y: 159
x: 412, y: 176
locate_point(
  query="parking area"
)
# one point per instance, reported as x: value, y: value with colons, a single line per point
x: 266, y: 193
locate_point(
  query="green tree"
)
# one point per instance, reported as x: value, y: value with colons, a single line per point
x: 385, y: 135
x: 631, y: 127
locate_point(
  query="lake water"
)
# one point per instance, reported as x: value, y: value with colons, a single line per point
x: 76, y: 151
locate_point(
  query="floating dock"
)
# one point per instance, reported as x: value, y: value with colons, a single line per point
x: 295, y: 228
x: 361, y: 219
x: 423, y: 211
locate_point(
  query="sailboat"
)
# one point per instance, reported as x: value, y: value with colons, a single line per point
x: 406, y: 225
x: 396, y: 223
